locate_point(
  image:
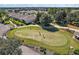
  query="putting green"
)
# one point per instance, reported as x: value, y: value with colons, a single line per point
x: 58, y: 41
x: 43, y: 36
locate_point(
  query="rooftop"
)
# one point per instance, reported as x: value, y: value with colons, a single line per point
x: 26, y: 18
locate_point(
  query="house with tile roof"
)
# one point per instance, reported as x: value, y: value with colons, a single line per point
x: 26, y: 18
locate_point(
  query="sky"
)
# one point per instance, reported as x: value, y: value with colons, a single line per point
x: 39, y: 5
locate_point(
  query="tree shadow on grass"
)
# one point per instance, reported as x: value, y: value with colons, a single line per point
x: 50, y: 28
x: 62, y: 24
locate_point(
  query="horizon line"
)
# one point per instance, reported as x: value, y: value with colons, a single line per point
x: 39, y: 5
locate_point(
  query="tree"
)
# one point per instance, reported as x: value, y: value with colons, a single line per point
x: 52, y: 11
x: 73, y: 19
x: 61, y: 18
x: 3, y: 16
x: 76, y: 51
x: 38, y: 15
x: 59, y: 15
x: 10, y: 47
x: 45, y: 19
x: 43, y: 50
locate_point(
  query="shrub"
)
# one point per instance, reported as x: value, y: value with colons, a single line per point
x: 76, y: 51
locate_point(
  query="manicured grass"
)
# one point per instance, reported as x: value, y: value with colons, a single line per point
x: 59, y: 41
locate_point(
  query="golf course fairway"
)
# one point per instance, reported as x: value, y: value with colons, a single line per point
x: 58, y: 41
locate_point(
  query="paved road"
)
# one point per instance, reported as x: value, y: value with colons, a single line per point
x: 4, y: 29
x: 65, y: 27
x: 28, y: 51
x: 13, y: 24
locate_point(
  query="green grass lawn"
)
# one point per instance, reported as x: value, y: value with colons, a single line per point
x: 59, y: 41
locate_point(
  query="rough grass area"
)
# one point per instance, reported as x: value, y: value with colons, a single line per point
x: 59, y: 41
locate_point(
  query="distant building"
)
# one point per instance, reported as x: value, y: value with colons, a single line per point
x: 26, y: 18
x: 27, y: 14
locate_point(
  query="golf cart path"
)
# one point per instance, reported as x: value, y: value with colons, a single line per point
x: 54, y: 26
x: 28, y: 51
x: 65, y: 28
x: 13, y: 24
